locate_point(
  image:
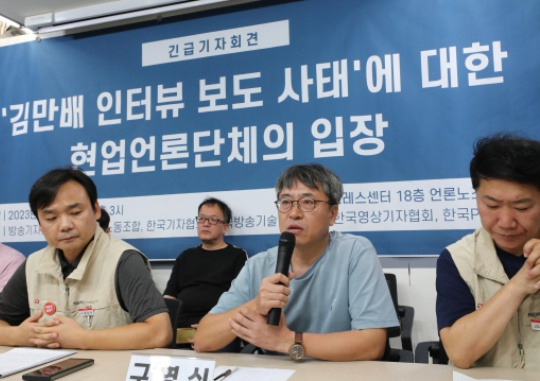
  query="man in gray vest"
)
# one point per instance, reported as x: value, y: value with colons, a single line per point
x: 488, y: 306
x: 86, y: 289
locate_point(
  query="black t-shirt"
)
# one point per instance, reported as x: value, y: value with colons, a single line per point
x: 135, y: 288
x: 199, y: 277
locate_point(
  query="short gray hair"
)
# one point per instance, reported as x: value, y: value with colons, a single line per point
x: 313, y: 176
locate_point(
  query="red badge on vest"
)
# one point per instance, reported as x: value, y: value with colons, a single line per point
x: 49, y: 308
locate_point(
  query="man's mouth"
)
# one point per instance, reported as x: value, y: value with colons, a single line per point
x: 508, y: 236
x: 294, y: 229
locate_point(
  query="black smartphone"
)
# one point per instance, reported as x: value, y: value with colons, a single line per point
x: 57, y: 370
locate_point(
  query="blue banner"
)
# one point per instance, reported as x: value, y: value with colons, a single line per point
x: 390, y: 94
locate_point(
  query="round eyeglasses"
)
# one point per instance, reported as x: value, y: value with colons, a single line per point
x: 305, y: 204
x: 211, y: 220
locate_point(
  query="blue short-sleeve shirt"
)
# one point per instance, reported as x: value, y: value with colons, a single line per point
x: 344, y: 289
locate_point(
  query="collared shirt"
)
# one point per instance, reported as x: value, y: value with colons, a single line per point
x: 68, y: 268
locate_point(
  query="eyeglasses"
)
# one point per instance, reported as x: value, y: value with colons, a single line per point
x: 211, y: 220
x: 305, y: 204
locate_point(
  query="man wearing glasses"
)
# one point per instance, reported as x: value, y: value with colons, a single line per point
x: 336, y: 304
x: 202, y: 273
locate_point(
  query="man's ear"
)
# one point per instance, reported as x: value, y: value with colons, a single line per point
x: 226, y: 228
x: 97, y: 210
x: 333, y: 214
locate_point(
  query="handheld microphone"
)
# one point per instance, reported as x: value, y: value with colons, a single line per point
x: 287, y: 241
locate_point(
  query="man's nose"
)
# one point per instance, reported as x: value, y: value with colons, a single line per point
x: 507, y: 218
x: 65, y: 222
x: 295, y: 209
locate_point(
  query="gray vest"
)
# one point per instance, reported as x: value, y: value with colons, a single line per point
x: 479, y: 266
x: 88, y: 294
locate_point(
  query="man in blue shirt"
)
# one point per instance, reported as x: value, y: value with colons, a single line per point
x: 488, y: 306
x: 336, y: 304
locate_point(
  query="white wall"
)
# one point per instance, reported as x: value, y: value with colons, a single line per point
x: 416, y: 288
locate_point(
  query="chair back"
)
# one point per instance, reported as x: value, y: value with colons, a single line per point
x: 434, y: 349
x: 405, y: 315
x: 391, y: 281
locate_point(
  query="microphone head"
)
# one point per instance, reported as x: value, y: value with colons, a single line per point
x: 287, y: 239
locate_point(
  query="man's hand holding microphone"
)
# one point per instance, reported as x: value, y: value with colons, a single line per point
x: 262, y: 327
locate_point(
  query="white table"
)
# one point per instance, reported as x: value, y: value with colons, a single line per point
x: 113, y: 365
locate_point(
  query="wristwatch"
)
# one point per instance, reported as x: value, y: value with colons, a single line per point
x: 296, y: 351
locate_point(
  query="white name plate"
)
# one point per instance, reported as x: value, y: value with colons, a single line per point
x: 169, y: 368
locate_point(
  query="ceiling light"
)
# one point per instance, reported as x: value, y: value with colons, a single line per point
x: 15, y: 25
x: 9, y: 22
